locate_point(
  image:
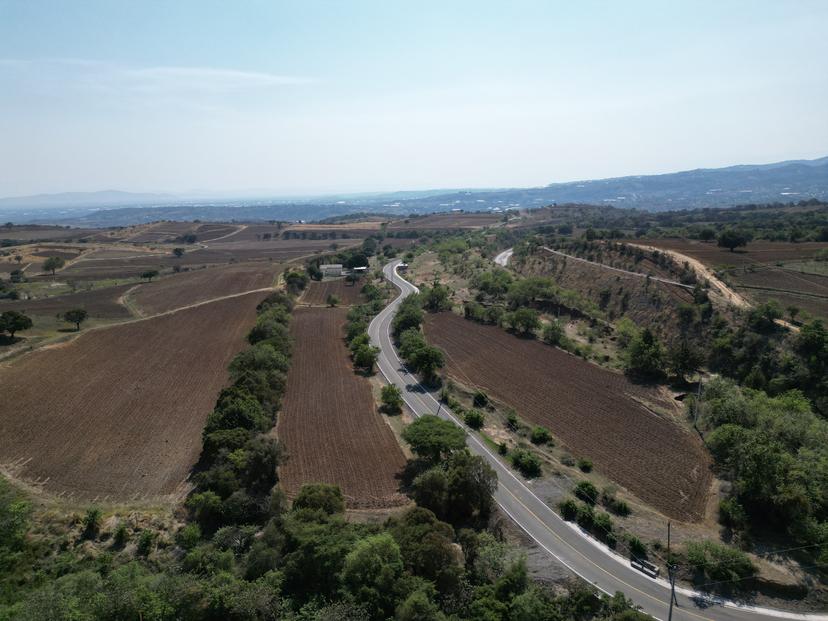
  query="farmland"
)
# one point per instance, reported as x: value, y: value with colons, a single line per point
x: 446, y: 221
x: 197, y: 286
x: 103, y: 303
x: 757, y: 252
x: 317, y: 292
x: 329, y: 423
x: 594, y: 412
x: 117, y: 413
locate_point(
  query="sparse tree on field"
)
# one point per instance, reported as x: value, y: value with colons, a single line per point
x: 14, y: 321
x: 18, y: 258
x: 76, y: 316
x: 149, y: 275
x: 332, y: 300
x: 52, y: 264
x: 793, y: 311
x: 178, y: 252
x: 732, y: 239
x: 392, y: 400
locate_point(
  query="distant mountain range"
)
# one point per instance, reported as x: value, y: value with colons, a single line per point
x: 782, y: 182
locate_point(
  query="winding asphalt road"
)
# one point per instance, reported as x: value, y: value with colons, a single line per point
x: 564, y: 541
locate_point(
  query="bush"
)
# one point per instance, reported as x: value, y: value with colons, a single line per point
x: 512, y: 420
x: 637, y: 547
x: 91, y: 522
x: 145, y: 542
x: 189, y: 536
x: 322, y: 497
x: 526, y: 462
x: 474, y: 419
x: 587, y: 492
x: 585, y: 516
x: 732, y: 514
x: 613, y: 504
x: 481, y: 399
x: 585, y: 464
x: 503, y: 448
x: 121, y: 535
x: 392, y: 400
x: 540, y: 435
x: 719, y: 562
x: 553, y: 333
x: 569, y: 509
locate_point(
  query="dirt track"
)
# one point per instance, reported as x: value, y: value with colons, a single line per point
x: 329, y: 423
x: 594, y: 412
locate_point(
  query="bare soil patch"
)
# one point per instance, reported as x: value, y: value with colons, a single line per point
x: 318, y: 291
x: 329, y: 423
x: 117, y: 413
x: 443, y: 221
x: 594, y: 412
x: 758, y: 252
x: 199, y: 285
x: 100, y: 303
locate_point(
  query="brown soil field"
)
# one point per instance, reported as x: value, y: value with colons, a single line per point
x: 450, y: 221
x: 757, y: 252
x: 329, y: 423
x: 808, y: 292
x: 63, y: 254
x: 117, y: 413
x: 196, y: 286
x: 219, y: 253
x: 37, y: 233
x: 317, y: 292
x: 594, y: 412
x: 207, y: 232
x: 99, y: 303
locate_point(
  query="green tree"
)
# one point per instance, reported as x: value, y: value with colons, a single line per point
x: 553, y: 333
x: 645, y: 356
x: 392, y: 400
x: 474, y: 418
x: 14, y: 321
x: 332, y: 300
x: 178, y: 252
x: 684, y: 359
x: 321, y: 497
x: 76, y: 316
x: 433, y: 438
x: 52, y: 264
x: 149, y: 275
x: 371, y: 572
x: 525, y: 320
x: 732, y: 239
x: 365, y: 357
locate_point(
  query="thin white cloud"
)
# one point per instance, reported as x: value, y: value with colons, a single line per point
x: 210, y: 78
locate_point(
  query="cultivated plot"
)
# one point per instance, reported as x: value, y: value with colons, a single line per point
x: 329, y: 423
x: 117, y: 413
x: 596, y: 413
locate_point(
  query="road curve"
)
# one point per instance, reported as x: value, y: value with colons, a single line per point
x: 502, y: 259
x: 567, y: 543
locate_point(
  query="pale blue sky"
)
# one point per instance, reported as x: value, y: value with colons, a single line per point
x: 308, y: 96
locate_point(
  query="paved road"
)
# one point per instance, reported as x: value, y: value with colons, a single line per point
x: 564, y: 541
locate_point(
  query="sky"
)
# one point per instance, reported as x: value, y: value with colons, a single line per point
x: 311, y: 97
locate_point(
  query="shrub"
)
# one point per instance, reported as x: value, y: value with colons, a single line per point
x: 540, y: 435
x: 91, y: 522
x: 146, y: 542
x: 322, y: 497
x: 189, y: 536
x: 719, y: 562
x: 613, y: 504
x: 474, y: 419
x: 585, y: 464
x: 587, y: 492
x: 502, y: 448
x: 392, y: 400
x: 512, y: 420
x: 569, y: 509
x: 553, y: 333
x: 121, y: 535
x: 637, y: 547
x: 481, y: 399
x: 732, y: 514
x: 526, y: 462
x: 585, y: 516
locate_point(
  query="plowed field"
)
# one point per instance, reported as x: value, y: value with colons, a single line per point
x: 99, y: 303
x: 754, y: 253
x: 594, y: 412
x: 117, y: 413
x: 328, y: 424
x: 198, y: 285
x: 317, y: 292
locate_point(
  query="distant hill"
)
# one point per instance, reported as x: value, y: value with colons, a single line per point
x: 104, y: 198
x: 780, y: 182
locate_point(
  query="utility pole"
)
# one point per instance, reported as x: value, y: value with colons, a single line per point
x: 671, y: 572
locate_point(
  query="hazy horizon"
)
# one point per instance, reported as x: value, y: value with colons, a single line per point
x: 324, y: 98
